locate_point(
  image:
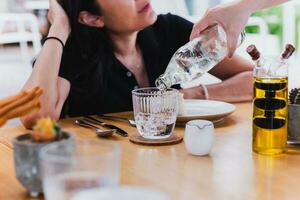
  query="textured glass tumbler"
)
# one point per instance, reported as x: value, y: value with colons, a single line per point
x: 85, y: 165
x: 155, y: 112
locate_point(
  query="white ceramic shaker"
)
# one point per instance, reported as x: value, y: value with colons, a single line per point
x: 199, y: 137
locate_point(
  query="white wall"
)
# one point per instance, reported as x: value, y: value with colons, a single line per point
x: 3, y: 5
x: 198, y: 7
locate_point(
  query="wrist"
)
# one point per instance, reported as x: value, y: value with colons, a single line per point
x: 249, y: 6
x: 204, y: 92
x: 198, y: 92
x: 60, y: 31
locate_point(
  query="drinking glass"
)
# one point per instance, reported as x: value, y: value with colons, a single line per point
x: 82, y: 166
x: 155, y: 112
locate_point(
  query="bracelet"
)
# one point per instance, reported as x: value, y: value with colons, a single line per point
x: 55, y: 38
x: 205, y: 91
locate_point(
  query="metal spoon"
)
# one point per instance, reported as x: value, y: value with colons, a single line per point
x: 99, y: 132
x: 123, y: 119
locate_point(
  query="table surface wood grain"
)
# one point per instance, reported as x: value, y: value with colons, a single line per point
x: 231, y: 171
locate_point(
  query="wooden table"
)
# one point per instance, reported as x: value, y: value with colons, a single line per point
x: 231, y: 172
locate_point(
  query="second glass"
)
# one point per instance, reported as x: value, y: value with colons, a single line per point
x: 155, y: 112
x: 83, y: 166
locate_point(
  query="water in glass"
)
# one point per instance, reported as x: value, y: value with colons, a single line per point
x: 155, y: 112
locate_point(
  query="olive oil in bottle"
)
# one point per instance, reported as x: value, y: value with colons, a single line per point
x: 270, y: 115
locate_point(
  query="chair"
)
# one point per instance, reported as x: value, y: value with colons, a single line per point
x: 18, y: 26
x: 265, y: 42
x: 25, y: 29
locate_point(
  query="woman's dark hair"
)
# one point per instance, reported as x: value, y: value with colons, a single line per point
x: 88, y: 40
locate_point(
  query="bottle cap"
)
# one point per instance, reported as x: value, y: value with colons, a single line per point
x: 253, y: 52
x: 289, y: 50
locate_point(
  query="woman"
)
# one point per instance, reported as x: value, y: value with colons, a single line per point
x: 115, y: 46
x: 233, y: 17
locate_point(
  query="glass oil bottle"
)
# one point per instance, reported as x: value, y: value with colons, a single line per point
x: 270, y: 102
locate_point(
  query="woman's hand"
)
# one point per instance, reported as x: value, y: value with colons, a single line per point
x: 59, y: 20
x: 193, y: 93
x: 233, y: 17
x: 235, y: 89
x: 237, y: 85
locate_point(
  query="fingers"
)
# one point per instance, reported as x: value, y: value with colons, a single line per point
x: 63, y: 91
x: 210, y: 18
x: 232, y: 40
x: 55, y: 3
x: 232, y: 36
x: 198, y: 28
x: 52, y: 2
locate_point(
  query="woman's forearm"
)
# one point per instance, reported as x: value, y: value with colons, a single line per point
x: 47, y: 64
x: 255, y: 5
x: 239, y: 88
x: 46, y: 69
x: 231, y: 67
x: 236, y: 89
x: 45, y: 75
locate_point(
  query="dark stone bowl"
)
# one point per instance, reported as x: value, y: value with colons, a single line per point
x: 294, y: 124
x: 26, y: 157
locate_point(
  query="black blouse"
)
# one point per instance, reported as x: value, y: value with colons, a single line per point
x: 158, y: 43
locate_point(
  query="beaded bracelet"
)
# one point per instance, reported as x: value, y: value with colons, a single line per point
x: 205, y: 91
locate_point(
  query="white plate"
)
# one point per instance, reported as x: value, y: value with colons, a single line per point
x: 205, y: 109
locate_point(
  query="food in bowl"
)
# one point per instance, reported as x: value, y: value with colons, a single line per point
x: 26, y: 152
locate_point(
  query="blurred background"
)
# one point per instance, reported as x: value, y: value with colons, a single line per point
x: 23, y: 23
